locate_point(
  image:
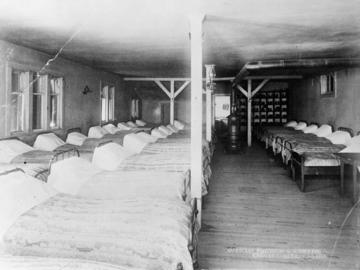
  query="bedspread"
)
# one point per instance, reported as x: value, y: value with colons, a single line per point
x: 34, y: 156
x: 166, y: 162
x: 151, y: 234
x: 131, y: 184
x: 8, y: 262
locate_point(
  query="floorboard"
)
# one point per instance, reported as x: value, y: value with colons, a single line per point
x: 255, y: 217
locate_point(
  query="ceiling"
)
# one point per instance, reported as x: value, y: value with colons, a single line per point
x: 151, y: 37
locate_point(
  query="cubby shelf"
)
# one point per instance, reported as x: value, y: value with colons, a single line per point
x: 268, y: 108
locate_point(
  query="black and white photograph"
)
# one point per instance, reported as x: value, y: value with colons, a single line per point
x: 179, y: 134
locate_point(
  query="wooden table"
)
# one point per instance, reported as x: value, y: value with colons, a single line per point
x: 354, y: 160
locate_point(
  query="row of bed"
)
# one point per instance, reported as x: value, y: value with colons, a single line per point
x: 119, y: 198
x: 309, y: 149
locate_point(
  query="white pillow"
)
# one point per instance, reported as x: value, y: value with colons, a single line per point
x: 97, y: 132
x: 352, y: 148
x: 300, y: 126
x: 131, y: 124
x: 134, y: 143
x: 111, y: 128
x: 172, y: 128
x: 123, y: 126
x: 48, y: 142
x: 110, y: 156
x: 76, y: 138
x: 323, y: 131
x: 310, y: 129
x: 354, y: 140
x: 68, y: 175
x: 339, y: 137
x: 140, y: 123
x: 165, y: 130
x: 179, y: 125
x: 147, y: 137
x: 19, y: 193
x: 9, y: 149
x: 291, y: 124
x: 158, y: 133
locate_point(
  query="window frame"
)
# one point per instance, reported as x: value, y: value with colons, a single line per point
x: 28, y: 98
x: 325, y: 89
x: 108, y: 116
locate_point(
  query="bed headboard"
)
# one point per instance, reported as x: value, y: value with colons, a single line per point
x: 70, y: 130
x: 348, y: 130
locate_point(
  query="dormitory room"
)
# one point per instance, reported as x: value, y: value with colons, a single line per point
x: 179, y: 134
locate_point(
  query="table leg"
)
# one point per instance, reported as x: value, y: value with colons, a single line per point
x: 342, y: 178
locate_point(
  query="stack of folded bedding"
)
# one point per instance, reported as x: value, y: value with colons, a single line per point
x: 142, y: 233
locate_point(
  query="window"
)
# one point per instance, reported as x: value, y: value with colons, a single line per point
x: 107, y: 97
x: 135, y: 108
x: 328, y: 85
x: 37, y: 102
x: 17, y: 108
x: 55, y: 93
x: 34, y: 101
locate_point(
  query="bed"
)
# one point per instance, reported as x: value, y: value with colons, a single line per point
x: 114, y: 157
x: 315, y: 155
x: 142, y: 233
x: 16, y: 154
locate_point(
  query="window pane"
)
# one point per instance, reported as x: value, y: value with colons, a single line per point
x: 15, y: 81
x: 103, y: 109
x: 16, y: 111
x: 111, y: 103
x: 36, y: 111
x: 35, y: 83
x: 53, y: 111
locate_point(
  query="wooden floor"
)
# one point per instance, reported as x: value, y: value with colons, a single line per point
x: 255, y: 217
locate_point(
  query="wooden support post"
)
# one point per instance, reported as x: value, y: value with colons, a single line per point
x: 196, y: 22
x: 249, y: 92
x: 208, y: 115
x: 172, y: 101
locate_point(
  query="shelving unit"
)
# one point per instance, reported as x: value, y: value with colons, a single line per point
x: 268, y: 108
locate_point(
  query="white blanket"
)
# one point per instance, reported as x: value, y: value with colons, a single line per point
x: 323, y: 131
x: 310, y: 129
x: 134, y: 143
x: 158, y: 133
x: 111, y: 128
x: 291, y: 124
x: 339, y: 137
x: 123, y: 126
x: 97, y: 132
x: 179, y: 125
x: 147, y: 137
x: 165, y: 130
x: 140, y: 123
x: 110, y: 156
x: 69, y: 175
x: 172, y: 128
x: 11, y: 148
x: 131, y: 124
x: 76, y: 138
x: 300, y: 126
x: 18, y: 193
x: 48, y: 142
